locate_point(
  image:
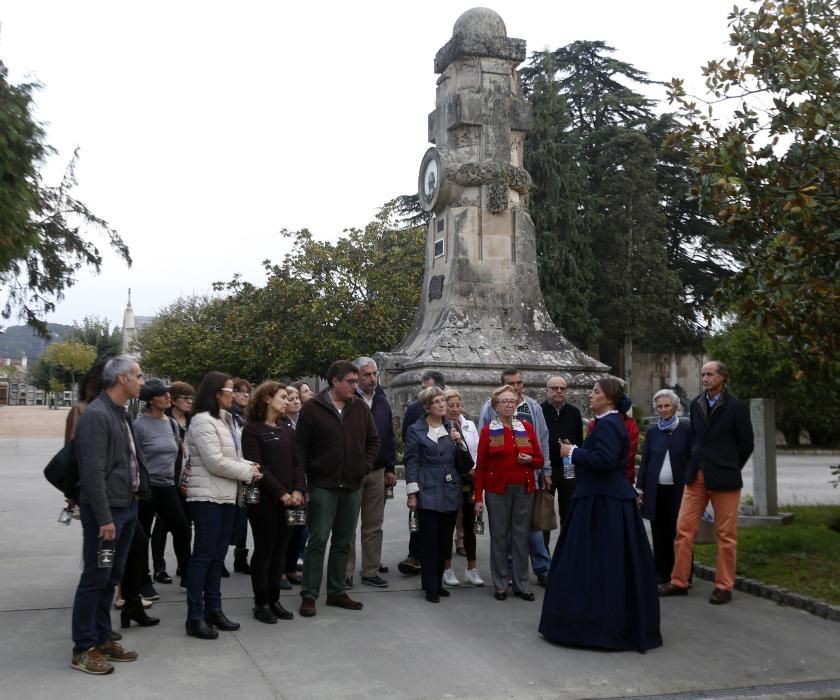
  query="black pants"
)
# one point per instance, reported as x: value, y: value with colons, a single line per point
x: 240, y: 529
x: 158, y: 539
x: 271, y: 537
x: 664, y: 530
x: 564, y: 488
x: 166, y: 506
x: 293, y: 549
x: 137, y: 563
x: 468, y: 520
x: 434, y: 544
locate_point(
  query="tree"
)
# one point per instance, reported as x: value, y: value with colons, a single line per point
x: 601, y: 233
x: 99, y: 333
x: 564, y: 255
x: 763, y: 366
x: 325, y: 301
x: 71, y: 356
x: 41, y: 241
x: 771, y: 175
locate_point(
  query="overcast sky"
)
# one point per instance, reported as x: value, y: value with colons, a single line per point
x: 205, y: 128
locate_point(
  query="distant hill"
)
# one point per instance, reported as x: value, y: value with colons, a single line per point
x: 15, y: 341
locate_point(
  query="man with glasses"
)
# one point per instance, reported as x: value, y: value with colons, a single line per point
x: 564, y: 423
x: 338, y: 445
x: 528, y: 409
x: 241, y: 396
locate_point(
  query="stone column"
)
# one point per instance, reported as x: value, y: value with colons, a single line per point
x: 765, y: 493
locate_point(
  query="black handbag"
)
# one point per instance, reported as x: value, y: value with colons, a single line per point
x: 62, y: 471
x: 463, y: 460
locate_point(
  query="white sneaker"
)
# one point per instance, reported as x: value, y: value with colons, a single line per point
x: 473, y: 577
x: 449, y: 578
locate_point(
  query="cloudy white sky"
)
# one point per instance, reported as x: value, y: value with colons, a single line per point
x: 206, y: 127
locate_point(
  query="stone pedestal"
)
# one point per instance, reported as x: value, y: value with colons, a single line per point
x: 765, y: 493
x: 481, y: 308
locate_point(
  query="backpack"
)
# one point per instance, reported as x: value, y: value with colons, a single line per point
x: 62, y: 471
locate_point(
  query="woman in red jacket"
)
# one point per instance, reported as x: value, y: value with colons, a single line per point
x: 508, y: 454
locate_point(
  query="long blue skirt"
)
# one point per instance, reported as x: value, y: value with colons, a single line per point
x: 601, y: 590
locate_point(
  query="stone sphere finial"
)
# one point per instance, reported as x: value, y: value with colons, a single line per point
x: 480, y: 20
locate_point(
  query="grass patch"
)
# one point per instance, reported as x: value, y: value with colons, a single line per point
x: 803, y: 557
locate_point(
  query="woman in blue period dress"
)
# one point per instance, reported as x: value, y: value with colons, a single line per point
x: 601, y: 589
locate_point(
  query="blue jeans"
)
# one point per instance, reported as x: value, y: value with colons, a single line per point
x: 213, y: 529
x: 95, y: 592
x: 540, y: 558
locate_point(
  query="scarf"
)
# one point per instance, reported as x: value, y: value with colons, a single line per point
x: 668, y: 426
x: 497, y: 435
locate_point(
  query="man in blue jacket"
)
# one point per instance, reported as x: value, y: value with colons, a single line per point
x: 722, y: 442
x: 381, y: 476
x: 111, y: 479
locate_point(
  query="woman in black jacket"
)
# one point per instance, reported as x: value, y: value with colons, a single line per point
x: 662, y: 478
x: 269, y: 441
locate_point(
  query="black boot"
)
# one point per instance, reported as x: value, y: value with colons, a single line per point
x: 240, y: 561
x: 133, y: 610
x: 220, y: 621
x: 200, y: 629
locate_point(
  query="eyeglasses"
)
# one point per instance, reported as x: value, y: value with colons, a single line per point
x: 508, y: 402
x: 351, y: 382
x: 226, y: 389
x: 242, y: 391
x: 557, y: 388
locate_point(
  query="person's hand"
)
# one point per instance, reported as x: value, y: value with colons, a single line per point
x: 479, y: 506
x: 297, y: 498
x: 256, y: 474
x: 108, y: 532
x: 411, y: 501
x: 565, y: 448
x: 546, y: 482
x: 71, y: 503
x: 455, y: 435
x: 522, y: 458
x: 390, y: 479
x: 640, y: 498
x: 471, y: 472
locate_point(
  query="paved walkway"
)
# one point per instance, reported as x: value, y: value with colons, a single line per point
x: 399, y: 646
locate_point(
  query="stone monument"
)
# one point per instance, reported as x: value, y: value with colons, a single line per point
x: 481, y: 307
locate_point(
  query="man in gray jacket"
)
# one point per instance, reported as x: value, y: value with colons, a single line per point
x: 111, y: 478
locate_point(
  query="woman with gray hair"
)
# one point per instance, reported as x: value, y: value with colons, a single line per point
x: 662, y: 478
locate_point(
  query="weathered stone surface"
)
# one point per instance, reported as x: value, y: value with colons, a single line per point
x: 485, y: 310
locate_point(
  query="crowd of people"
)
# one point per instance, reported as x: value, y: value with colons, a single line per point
x: 203, y: 464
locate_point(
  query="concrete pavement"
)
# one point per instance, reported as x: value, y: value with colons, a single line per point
x: 399, y: 646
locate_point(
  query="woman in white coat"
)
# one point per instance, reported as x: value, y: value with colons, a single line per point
x: 466, y: 519
x: 216, y: 470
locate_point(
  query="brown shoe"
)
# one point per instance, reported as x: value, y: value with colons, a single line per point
x: 91, y: 661
x: 307, y: 607
x: 114, y: 651
x: 666, y: 590
x: 344, y: 601
x: 720, y: 597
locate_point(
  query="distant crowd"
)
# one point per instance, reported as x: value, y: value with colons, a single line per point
x: 304, y: 469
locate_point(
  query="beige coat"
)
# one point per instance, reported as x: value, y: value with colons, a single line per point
x: 216, y: 464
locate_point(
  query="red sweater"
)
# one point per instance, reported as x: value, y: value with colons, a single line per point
x: 633, y: 435
x: 496, y: 468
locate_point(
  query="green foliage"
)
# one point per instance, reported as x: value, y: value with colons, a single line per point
x: 564, y: 255
x: 71, y: 356
x: 763, y: 366
x: 803, y: 556
x: 41, y: 242
x: 99, y: 333
x: 324, y: 302
x: 611, y: 238
x: 56, y: 386
x: 771, y: 175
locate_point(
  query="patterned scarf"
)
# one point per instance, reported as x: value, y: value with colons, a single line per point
x: 497, y: 435
x: 668, y: 426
